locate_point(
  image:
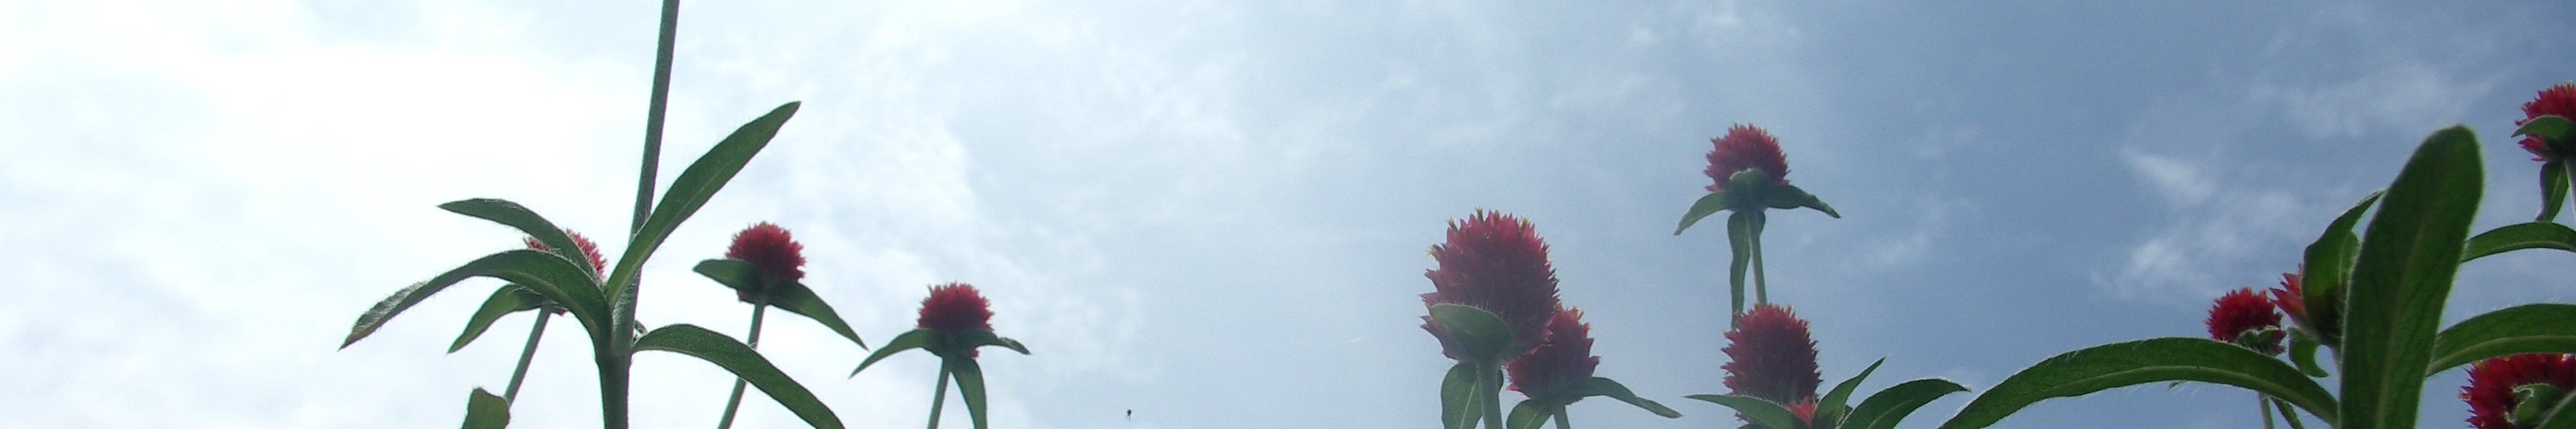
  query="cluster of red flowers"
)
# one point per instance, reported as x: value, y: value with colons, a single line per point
x: 2557, y: 100
x: 1772, y: 357
x: 1498, y: 263
x: 1746, y: 147
x: 2242, y: 311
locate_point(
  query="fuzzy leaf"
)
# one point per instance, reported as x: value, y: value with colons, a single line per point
x: 2532, y: 328
x: 1885, y: 409
x: 1760, y: 411
x: 508, y: 299
x: 1458, y: 399
x: 1707, y: 205
x: 795, y: 298
x: 914, y: 339
x: 2534, y: 235
x: 1479, y: 334
x: 544, y: 273
x: 2328, y: 264
x: 1604, y: 387
x: 1530, y: 414
x: 743, y: 362
x: 2104, y: 367
x: 690, y: 191
x: 1837, y: 402
x: 2402, y: 279
x: 484, y: 410
x: 1791, y: 197
x: 970, y: 385
x: 526, y: 221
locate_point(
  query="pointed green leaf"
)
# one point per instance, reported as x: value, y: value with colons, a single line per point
x: 1760, y: 411
x: 2534, y: 235
x: 795, y: 298
x: 1707, y: 205
x: 1604, y: 387
x: 2303, y: 353
x: 1458, y: 400
x: 1885, y: 409
x: 1791, y: 197
x: 914, y: 339
x: 1478, y: 333
x: 484, y: 410
x: 2547, y: 127
x: 2402, y: 279
x: 973, y: 338
x: 732, y: 273
x: 2109, y: 366
x: 526, y: 221
x: 2562, y: 416
x: 689, y: 192
x: 970, y: 385
x: 2328, y: 265
x: 544, y: 273
x: 743, y: 362
x: 2553, y: 188
x: 2533, y: 328
x: 1837, y: 402
x: 1530, y: 414
x: 508, y: 299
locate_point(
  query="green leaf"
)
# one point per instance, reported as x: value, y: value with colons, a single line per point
x: 1837, y: 402
x: 973, y: 338
x: 2533, y: 328
x: 2553, y: 188
x: 795, y: 298
x: 1479, y: 334
x: 526, y: 221
x: 2562, y: 416
x: 1530, y: 414
x: 1707, y: 205
x: 2328, y: 263
x: 2104, y: 367
x: 484, y: 410
x: 1604, y: 387
x: 544, y: 273
x: 2535, y: 235
x: 915, y: 339
x: 2402, y: 279
x: 970, y: 385
x: 1885, y: 409
x: 689, y: 192
x: 1458, y: 399
x: 508, y: 299
x: 743, y: 362
x: 2547, y: 127
x: 1791, y: 197
x: 732, y: 273
x: 2303, y: 353
x: 1760, y: 411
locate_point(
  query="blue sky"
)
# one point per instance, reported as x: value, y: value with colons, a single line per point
x: 1211, y: 213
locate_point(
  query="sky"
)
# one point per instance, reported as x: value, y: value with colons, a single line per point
x: 1209, y: 213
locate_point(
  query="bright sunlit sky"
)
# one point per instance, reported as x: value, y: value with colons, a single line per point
x: 1212, y: 213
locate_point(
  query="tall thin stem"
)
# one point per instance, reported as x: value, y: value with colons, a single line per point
x: 526, y: 355
x: 735, y: 403
x: 656, y: 108
x: 1492, y: 387
x: 1761, y: 289
x: 1561, y: 422
x: 939, y: 396
x: 2286, y: 414
x: 611, y: 352
x: 2266, y: 403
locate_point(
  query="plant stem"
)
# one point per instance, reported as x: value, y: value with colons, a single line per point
x: 1560, y: 419
x: 613, y: 370
x: 610, y: 348
x: 526, y: 355
x: 738, y: 383
x: 2266, y: 403
x: 655, y: 109
x: 1761, y: 289
x: 1492, y: 388
x: 939, y: 396
x: 2286, y: 414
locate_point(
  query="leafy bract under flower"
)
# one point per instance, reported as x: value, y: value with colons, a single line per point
x: 2558, y: 100
x: 1746, y: 147
x: 1562, y: 359
x: 2490, y: 393
x: 1497, y: 263
x: 772, y: 251
x: 1772, y: 356
x: 2240, y: 312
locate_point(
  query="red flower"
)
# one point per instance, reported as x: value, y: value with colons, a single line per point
x: 770, y: 249
x: 1805, y: 409
x: 2240, y: 311
x: 587, y: 249
x: 1498, y: 263
x: 1772, y: 356
x: 2490, y: 392
x: 956, y: 307
x: 2557, y: 100
x: 1746, y: 147
x: 2289, y: 299
x: 1562, y: 360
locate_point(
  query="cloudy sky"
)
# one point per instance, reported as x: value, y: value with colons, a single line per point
x: 1211, y: 213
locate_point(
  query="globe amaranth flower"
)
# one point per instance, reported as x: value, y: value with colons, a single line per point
x: 2557, y: 100
x: 1562, y: 359
x: 587, y: 249
x: 772, y: 252
x: 956, y: 307
x: 1805, y: 409
x: 1771, y: 356
x: 2288, y: 298
x: 2497, y: 388
x: 2242, y: 312
x: 1497, y: 263
x: 1746, y: 147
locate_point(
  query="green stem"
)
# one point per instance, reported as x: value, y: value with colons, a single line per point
x: 526, y: 355
x: 614, y: 364
x: 655, y: 111
x: 1761, y: 289
x: 2266, y: 403
x: 735, y: 403
x: 1492, y: 388
x: 1739, y: 254
x: 1560, y: 419
x: 939, y: 396
x: 613, y: 369
x: 2286, y: 414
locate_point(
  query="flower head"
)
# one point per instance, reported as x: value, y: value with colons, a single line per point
x: 1805, y: 409
x: 2557, y: 100
x: 2288, y: 297
x: 2240, y: 312
x: 1746, y: 147
x: 2493, y: 383
x: 587, y: 249
x: 956, y: 307
x: 1562, y: 359
x: 772, y: 251
x: 1772, y: 356
x: 1498, y: 263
